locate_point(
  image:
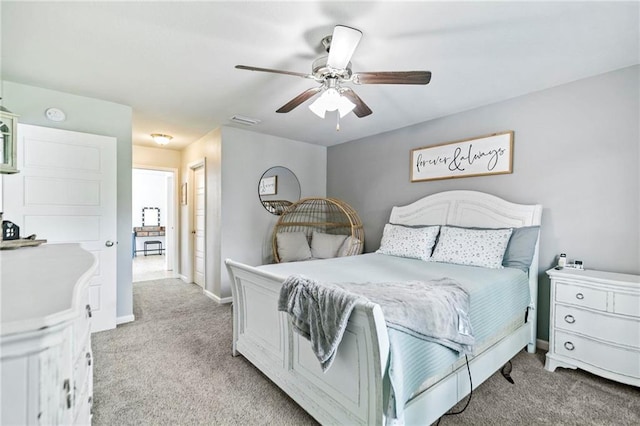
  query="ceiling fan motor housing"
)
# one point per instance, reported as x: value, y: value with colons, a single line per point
x: 321, y: 71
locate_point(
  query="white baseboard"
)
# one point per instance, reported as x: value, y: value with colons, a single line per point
x: 184, y: 278
x: 125, y: 319
x: 217, y: 299
x: 542, y: 344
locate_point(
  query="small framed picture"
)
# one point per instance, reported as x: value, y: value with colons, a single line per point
x: 183, y: 194
x: 268, y: 186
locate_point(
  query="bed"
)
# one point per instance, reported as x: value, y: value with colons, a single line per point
x: 355, y: 390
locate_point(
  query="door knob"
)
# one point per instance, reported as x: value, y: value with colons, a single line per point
x: 109, y: 243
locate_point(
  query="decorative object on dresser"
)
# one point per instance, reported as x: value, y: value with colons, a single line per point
x: 595, y: 323
x: 45, y: 344
x: 8, y: 144
x: 10, y: 231
x: 10, y: 236
x: 317, y: 228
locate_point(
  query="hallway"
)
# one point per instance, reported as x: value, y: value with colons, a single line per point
x: 151, y: 267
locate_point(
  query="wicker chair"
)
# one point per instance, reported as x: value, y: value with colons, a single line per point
x: 327, y: 215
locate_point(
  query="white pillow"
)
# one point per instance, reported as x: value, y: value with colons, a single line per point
x: 474, y: 247
x: 292, y: 246
x: 326, y: 246
x: 416, y: 243
x: 350, y: 247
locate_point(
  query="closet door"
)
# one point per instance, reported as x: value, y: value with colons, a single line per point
x: 65, y: 192
x: 199, y: 226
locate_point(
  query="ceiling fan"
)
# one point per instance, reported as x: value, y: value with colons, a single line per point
x: 334, y: 70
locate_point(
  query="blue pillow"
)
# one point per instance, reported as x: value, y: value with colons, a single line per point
x: 521, y: 247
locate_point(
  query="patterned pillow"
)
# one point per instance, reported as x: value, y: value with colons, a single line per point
x: 402, y: 241
x: 474, y: 247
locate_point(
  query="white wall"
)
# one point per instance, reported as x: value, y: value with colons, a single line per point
x: 149, y: 189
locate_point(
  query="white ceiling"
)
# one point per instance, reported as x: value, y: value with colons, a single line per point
x: 173, y: 62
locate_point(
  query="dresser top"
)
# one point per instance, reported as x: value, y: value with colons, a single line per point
x: 593, y: 275
x: 39, y: 285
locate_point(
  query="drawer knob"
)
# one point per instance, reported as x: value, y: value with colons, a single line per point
x: 570, y: 319
x: 569, y: 346
x: 579, y: 296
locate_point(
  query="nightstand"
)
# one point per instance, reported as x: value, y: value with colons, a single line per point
x: 595, y: 323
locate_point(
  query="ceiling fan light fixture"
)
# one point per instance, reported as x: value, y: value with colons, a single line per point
x: 317, y: 108
x: 331, y: 100
x: 161, y: 139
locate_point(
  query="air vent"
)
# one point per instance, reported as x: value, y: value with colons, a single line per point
x: 247, y: 121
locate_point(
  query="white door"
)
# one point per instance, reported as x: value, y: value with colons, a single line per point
x: 199, y: 229
x: 66, y: 193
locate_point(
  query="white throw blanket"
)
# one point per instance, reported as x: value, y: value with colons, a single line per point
x: 436, y: 310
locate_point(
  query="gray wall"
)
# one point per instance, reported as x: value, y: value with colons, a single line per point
x: 89, y: 116
x: 246, y: 225
x: 576, y: 152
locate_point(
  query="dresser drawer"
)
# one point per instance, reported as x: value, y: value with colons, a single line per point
x: 626, y: 304
x: 624, y: 331
x: 581, y: 296
x: 601, y: 355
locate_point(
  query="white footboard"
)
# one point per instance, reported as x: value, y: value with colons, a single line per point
x: 350, y: 392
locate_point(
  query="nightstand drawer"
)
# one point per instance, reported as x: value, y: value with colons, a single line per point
x: 601, y: 355
x: 624, y: 331
x: 581, y: 296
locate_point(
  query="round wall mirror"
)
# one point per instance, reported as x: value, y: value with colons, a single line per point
x: 278, y: 189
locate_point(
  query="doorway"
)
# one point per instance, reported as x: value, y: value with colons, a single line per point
x: 153, y: 218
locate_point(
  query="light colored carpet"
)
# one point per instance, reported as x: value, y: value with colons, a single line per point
x: 173, y: 366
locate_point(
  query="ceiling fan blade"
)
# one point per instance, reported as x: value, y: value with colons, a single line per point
x: 307, y: 94
x: 392, y: 77
x: 361, y: 109
x: 250, y: 68
x: 343, y: 43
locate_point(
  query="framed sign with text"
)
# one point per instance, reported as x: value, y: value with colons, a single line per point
x: 484, y: 155
x: 268, y: 186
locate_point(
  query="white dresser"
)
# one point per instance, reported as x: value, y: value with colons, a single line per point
x: 45, y: 345
x: 595, y: 323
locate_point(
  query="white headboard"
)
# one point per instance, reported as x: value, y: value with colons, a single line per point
x: 467, y: 208
x: 472, y: 208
